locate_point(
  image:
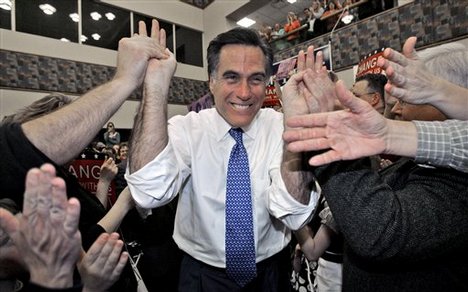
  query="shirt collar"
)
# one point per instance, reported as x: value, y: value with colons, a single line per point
x: 222, y: 127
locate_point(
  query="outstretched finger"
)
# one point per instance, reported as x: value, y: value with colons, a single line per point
x: 31, y: 191
x: 8, y: 222
x: 310, y: 58
x: 308, y: 145
x: 319, y: 61
x: 120, y: 265
x: 142, y: 28
x: 301, y: 61
x: 72, y: 218
x: 396, y: 57
x: 162, y: 37
x: 155, y: 29
x: 309, y: 120
x: 303, y: 134
x: 58, y: 211
x: 395, y: 91
x: 408, y: 48
x: 324, y: 158
x: 348, y: 100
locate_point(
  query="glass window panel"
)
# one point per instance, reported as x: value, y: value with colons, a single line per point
x: 30, y: 18
x: 162, y: 24
x: 5, y: 17
x: 189, y: 46
x: 104, y: 25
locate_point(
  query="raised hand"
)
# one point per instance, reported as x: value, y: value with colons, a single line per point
x: 134, y: 54
x: 102, y: 265
x: 310, y: 90
x: 46, y: 233
x: 160, y: 71
x: 358, y: 131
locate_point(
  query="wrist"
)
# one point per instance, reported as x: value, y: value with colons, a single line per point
x: 401, y: 138
x: 49, y: 279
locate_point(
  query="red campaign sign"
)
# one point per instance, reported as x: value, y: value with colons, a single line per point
x: 368, y: 65
x: 87, y: 169
x: 271, y: 97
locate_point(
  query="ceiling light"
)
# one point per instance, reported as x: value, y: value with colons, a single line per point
x: 5, y: 4
x: 292, y: 1
x: 110, y: 15
x: 83, y: 38
x: 65, y: 40
x: 246, y: 22
x: 96, y: 36
x: 95, y: 15
x: 48, y: 9
x: 75, y: 17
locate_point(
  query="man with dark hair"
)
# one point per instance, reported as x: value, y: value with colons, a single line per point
x: 220, y: 157
x: 370, y: 87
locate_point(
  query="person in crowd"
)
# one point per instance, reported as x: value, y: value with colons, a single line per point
x: 291, y: 25
x: 397, y: 230
x: 44, y: 241
x: 179, y: 157
x: 111, y: 136
x: 371, y: 88
x: 48, y: 139
x: 316, y: 25
x: 277, y: 42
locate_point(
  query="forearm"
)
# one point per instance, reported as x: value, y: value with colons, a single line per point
x: 63, y: 134
x: 297, y: 176
x: 451, y: 99
x: 114, y: 217
x: 401, y: 139
x: 314, y: 246
x: 102, y: 191
x: 149, y: 135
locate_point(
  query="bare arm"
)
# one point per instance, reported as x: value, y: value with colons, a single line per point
x: 62, y: 134
x: 298, y: 99
x: 149, y: 136
x: 313, y: 246
x: 111, y: 221
x: 108, y: 172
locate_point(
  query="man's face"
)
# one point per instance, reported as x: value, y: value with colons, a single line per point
x: 404, y: 111
x: 238, y: 84
x: 123, y: 152
x: 361, y: 90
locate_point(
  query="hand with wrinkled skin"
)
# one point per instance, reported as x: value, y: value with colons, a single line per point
x: 46, y: 233
x: 348, y: 134
x: 410, y: 81
x: 102, y: 265
x: 309, y: 90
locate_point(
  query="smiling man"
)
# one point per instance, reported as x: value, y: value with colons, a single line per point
x: 239, y: 193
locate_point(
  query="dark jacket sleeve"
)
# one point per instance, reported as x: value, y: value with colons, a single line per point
x: 31, y: 287
x: 405, y: 212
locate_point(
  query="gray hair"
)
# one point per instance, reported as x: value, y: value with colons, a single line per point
x: 448, y: 61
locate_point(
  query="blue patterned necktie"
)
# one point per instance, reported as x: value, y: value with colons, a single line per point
x: 240, y: 245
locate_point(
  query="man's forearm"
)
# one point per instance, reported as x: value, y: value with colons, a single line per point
x: 451, y: 99
x: 63, y: 134
x: 297, y: 176
x: 149, y: 135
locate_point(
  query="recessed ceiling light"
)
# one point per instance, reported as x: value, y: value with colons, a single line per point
x: 75, y: 17
x: 47, y: 9
x: 95, y: 15
x: 96, y: 36
x: 83, y: 38
x: 246, y: 22
x: 292, y: 1
x: 65, y: 40
x: 110, y: 15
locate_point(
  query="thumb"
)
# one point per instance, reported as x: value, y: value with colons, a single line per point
x: 348, y: 100
x: 8, y: 222
x: 408, y: 49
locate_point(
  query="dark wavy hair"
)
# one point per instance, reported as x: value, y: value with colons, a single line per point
x: 238, y: 36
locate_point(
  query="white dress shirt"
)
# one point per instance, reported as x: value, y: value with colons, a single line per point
x: 194, y: 165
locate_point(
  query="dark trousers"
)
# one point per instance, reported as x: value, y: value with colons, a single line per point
x: 272, y: 276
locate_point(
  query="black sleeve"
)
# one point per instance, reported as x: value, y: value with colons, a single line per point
x: 31, y: 287
x: 403, y: 213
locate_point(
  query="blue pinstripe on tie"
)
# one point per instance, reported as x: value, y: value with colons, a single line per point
x: 240, y: 245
